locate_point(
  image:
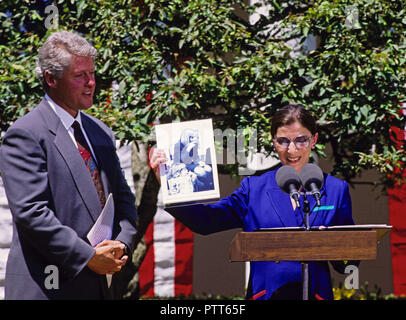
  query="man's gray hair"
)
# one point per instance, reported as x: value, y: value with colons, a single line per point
x: 55, y: 55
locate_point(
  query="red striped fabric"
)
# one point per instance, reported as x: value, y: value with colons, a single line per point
x: 183, y: 260
x: 397, y: 218
x: 146, y: 271
x: 167, y: 269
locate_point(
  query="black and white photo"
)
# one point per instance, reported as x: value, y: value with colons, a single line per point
x: 190, y: 173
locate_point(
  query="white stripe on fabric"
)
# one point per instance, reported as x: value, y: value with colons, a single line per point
x: 164, y: 251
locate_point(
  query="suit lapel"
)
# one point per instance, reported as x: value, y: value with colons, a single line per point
x: 315, y: 217
x: 281, y: 204
x: 282, y: 207
x: 73, y: 160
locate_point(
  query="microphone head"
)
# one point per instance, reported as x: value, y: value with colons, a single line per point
x: 285, y: 177
x: 309, y: 174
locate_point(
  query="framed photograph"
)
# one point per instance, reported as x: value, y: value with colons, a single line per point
x: 190, y: 174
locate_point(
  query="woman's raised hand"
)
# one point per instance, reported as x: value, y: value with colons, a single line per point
x: 156, y: 157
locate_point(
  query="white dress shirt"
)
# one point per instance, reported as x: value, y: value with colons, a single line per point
x: 67, y: 121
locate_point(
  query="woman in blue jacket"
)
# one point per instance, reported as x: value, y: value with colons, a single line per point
x: 260, y: 203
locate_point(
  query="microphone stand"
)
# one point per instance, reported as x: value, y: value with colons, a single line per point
x: 305, y: 264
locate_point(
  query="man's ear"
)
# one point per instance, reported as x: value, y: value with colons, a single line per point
x: 50, y: 79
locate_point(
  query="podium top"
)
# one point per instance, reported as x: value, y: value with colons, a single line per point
x: 381, y: 229
x: 347, y: 242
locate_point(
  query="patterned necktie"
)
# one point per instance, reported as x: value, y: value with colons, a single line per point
x: 89, y: 161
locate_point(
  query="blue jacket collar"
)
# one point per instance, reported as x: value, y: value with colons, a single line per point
x: 279, y: 200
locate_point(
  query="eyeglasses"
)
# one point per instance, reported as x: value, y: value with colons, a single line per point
x: 300, y: 142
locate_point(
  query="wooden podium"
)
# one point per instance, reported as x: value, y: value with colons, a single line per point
x: 356, y: 242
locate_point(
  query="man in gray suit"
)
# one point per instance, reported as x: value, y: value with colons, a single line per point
x: 58, y: 166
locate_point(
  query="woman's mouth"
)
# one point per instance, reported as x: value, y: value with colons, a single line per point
x: 293, y: 159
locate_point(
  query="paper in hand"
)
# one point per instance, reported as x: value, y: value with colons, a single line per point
x: 103, y: 228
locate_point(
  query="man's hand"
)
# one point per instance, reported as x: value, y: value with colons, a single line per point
x: 108, y: 258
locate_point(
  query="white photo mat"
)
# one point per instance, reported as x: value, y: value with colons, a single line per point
x: 190, y: 174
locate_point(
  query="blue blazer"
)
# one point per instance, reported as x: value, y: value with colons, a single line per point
x: 260, y: 203
x: 54, y: 204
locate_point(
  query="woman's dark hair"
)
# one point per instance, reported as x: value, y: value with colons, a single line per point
x: 290, y: 114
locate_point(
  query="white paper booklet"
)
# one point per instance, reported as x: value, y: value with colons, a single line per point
x: 103, y: 227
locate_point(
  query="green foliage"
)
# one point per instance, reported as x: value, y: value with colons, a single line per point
x: 357, y: 79
x: 203, y: 296
x: 177, y: 60
x: 363, y: 293
x: 339, y: 292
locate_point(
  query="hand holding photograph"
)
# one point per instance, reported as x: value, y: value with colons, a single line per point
x: 190, y: 174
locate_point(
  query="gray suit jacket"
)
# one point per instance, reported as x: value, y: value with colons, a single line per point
x: 54, y: 204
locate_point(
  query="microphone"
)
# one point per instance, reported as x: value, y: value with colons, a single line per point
x: 288, y: 181
x: 312, y: 180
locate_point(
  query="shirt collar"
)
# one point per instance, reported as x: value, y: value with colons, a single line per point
x: 66, y: 119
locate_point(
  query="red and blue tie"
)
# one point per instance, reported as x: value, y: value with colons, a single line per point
x: 89, y: 161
